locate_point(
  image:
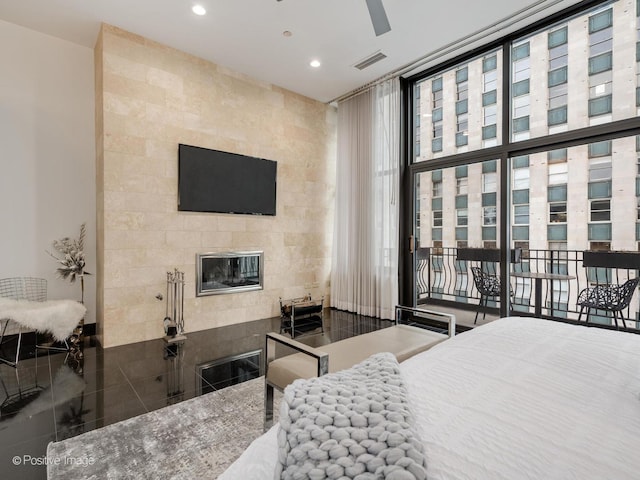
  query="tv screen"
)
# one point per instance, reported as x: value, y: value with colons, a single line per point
x: 222, y: 182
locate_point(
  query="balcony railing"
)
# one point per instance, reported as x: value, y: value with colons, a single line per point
x: 444, y: 275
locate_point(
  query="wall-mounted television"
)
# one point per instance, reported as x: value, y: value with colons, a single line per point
x: 223, y: 182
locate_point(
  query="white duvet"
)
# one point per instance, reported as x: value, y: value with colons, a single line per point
x: 518, y: 398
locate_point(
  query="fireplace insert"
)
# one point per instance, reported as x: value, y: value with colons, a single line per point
x: 228, y: 272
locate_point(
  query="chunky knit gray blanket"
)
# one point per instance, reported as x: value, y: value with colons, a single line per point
x: 354, y: 424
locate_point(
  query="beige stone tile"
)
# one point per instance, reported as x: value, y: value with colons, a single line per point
x: 135, y: 89
x: 125, y: 106
x: 211, y: 241
x: 199, y: 222
x: 182, y: 239
x: 164, y: 79
x: 232, y: 223
x: 182, y: 99
x: 124, y: 67
x: 139, y: 202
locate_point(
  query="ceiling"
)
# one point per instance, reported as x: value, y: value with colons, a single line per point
x: 247, y: 35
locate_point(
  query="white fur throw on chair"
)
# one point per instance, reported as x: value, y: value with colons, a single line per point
x: 59, y: 317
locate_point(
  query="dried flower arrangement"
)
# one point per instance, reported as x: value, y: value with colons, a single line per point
x: 71, y: 258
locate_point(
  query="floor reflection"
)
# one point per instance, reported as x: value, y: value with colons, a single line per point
x: 53, y: 395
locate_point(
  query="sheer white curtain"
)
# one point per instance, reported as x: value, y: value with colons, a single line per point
x: 364, y: 273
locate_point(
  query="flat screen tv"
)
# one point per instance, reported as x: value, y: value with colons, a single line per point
x: 222, y: 182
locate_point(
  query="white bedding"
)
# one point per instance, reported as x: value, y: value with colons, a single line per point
x: 518, y: 398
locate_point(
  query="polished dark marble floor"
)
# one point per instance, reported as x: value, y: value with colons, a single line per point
x: 51, y: 396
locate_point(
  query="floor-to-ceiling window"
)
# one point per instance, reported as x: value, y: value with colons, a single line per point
x: 531, y: 146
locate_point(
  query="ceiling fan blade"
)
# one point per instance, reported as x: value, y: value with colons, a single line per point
x: 378, y: 17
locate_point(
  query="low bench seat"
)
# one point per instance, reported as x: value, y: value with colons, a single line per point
x: 404, y: 341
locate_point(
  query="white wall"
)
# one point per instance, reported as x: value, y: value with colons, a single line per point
x: 47, y: 155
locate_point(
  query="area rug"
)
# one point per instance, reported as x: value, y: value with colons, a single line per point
x: 197, y: 438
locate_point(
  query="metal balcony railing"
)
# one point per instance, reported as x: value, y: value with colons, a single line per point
x: 444, y: 275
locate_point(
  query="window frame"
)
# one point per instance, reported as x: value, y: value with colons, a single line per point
x: 560, y: 215
x: 518, y: 145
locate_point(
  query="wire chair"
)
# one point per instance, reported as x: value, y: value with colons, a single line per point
x: 20, y: 288
x: 488, y: 286
x: 610, y: 298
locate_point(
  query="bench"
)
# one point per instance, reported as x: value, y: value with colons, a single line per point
x: 404, y: 341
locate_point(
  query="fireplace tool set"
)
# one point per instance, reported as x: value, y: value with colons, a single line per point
x: 174, y: 312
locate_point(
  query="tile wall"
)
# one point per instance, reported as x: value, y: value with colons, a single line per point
x: 150, y: 98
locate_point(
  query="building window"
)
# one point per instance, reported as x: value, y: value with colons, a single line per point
x: 558, y: 212
x: 489, y: 63
x: 437, y: 102
x: 600, y: 63
x: 600, y: 21
x: 520, y: 196
x: 462, y: 75
x: 520, y: 124
x: 600, y: 149
x: 462, y: 185
x: 600, y: 246
x: 489, y: 132
x: 520, y: 233
x: 489, y: 98
x: 520, y: 52
x: 489, y: 217
x: 524, y: 246
x: 489, y: 182
x: 558, y: 173
x: 436, y: 183
x: 462, y: 106
x: 558, y: 258
x: 462, y: 217
x: 521, y: 214
x: 557, y: 193
x: 520, y: 88
x: 437, y: 218
x: 520, y: 178
x: 599, y: 169
x: 557, y: 116
x: 600, y: 106
x: 557, y: 38
x: 600, y: 210
x: 599, y: 232
x: 558, y: 76
x: 461, y: 138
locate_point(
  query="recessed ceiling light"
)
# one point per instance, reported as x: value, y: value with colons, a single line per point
x: 198, y: 10
x: 314, y: 63
x: 287, y: 33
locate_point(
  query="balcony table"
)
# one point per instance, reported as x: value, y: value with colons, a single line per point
x: 538, y: 277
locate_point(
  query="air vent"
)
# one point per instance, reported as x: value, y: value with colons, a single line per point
x: 370, y: 60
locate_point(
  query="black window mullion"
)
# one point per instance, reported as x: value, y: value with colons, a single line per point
x: 505, y: 182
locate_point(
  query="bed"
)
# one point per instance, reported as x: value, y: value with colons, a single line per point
x: 518, y: 398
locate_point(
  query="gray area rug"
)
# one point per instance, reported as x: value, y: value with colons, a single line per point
x: 198, y: 438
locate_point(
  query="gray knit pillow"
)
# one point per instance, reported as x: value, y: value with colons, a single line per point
x: 354, y: 424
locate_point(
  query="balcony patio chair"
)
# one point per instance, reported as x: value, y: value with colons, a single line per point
x: 610, y: 298
x: 488, y: 286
